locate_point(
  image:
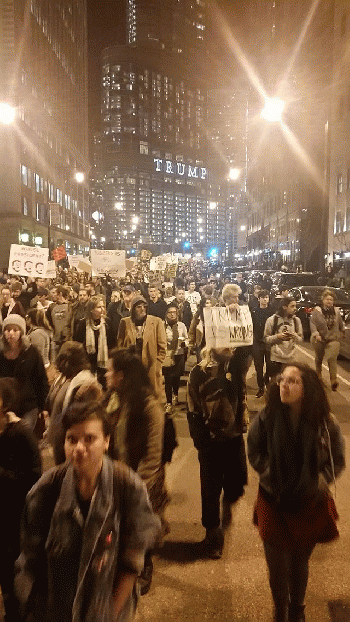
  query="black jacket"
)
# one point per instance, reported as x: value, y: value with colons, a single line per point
x: 30, y: 372
x: 113, y: 313
x: 158, y: 309
x: 259, y: 317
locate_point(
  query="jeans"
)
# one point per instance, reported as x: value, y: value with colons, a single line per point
x: 172, y: 376
x: 288, y: 575
x: 223, y: 467
x: 261, y: 354
x: 328, y: 351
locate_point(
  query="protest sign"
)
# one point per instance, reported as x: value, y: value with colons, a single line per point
x: 224, y: 329
x: 110, y: 262
x: 51, y: 269
x: 28, y: 260
x: 158, y: 264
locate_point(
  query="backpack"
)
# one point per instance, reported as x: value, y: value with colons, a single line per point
x: 219, y: 403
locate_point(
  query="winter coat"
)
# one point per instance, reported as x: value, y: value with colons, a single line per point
x: 29, y: 370
x: 318, y: 326
x: 196, y: 332
x: 143, y: 452
x: 153, y: 348
x: 70, y: 565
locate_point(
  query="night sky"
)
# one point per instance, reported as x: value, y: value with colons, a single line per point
x: 106, y: 26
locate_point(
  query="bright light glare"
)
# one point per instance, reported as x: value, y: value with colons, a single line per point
x: 118, y: 205
x: 212, y: 205
x: 7, y: 114
x: 135, y: 220
x: 273, y: 109
x: 79, y: 177
x: 24, y: 237
x: 234, y: 174
x: 243, y: 227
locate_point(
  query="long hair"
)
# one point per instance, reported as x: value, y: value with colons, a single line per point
x: 38, y: 319
x: 134, y: 391
x: 315, y: 407
x: 72, y: 359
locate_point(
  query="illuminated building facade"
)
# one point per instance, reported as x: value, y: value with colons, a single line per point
x: 43, y: 74
x: 339, y: 148
x: 151, y: 183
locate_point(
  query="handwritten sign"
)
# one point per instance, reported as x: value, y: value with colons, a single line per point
x: 224, y: 329
x: 51, y: 269
x: 110, y: 262
x: 28, y: 260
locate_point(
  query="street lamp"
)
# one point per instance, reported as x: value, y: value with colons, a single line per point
x: 79, y: 177
x: 135, y: 220
x: 118, y: 205
x: 273, y: 109
x: 234, y: 174
x: 7, y: 114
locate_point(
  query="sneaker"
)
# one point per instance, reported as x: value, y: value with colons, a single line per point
x: 334, y: 386
x: 260, y: 392
x: 175, y: 400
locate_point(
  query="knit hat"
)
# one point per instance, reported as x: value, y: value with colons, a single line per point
x: 15, y: 320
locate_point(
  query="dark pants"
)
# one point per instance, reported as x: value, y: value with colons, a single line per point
x: 261, y: 355
x: 223, y: 466
x: 172, y: 376
x: 288, y: 574
x: 8, y: 556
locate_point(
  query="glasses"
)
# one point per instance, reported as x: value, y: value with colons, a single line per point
x: 292, y: 382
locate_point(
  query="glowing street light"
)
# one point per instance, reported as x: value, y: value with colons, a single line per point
x: 213, y: 205
x: 273, y: 109
x: 234, y: 174
x: 7, y: 114
x: 135, y: 220
x: 118, y: 205
x: 79, y: 177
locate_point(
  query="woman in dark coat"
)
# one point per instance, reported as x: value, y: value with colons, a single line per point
x: 296, y: 446
x: 20, y: 468
x: 20, y: 360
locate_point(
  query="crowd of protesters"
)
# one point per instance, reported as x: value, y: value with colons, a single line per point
x: 100, y: 361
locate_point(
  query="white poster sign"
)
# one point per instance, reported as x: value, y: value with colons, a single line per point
x: 158, y: 263
x: 28, y: 260
x: 108, y: 262
x: 51, y: 269
x: 224, y: 329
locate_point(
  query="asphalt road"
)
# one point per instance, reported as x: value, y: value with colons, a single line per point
x: 188, y: 587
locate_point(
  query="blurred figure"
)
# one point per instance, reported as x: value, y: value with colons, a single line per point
x: 86, y: 527
x: 283, y: 330
x: 296, y: 446
x: 216, y: 405
x: 327, y: 330
x: 20, y: 468
x: 184, y: 308
x: 193, y: 297
x: 174, y: 362
x: 74, y: 382
x: 196, y: 333
x: 9, y: 305
x: 156, y: 306
x: 261, y: 352
x: 59, y: 316
x: 39, y: 333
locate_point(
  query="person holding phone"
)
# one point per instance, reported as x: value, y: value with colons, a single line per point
x: 283, y: 330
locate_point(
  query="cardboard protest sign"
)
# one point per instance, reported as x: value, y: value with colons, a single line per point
x: 224, y: 329
x: 158, y: 264
x: 110, y: 262
x: 84, y: 266
x: 28, y: 260
x: 51, y: 269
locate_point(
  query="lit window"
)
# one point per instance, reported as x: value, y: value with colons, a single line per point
x: 24, y: 175
x: 339, y: 183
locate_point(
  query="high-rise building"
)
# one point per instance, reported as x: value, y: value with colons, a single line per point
x: 339, y: 140
x: 43, y: 75
x: 151, y: 180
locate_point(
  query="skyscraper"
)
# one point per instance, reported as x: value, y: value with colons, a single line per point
x: 43, y: 76
x: 151, y: 182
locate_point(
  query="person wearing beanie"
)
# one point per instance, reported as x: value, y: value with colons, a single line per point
x: 20, y: 360
x: 147, y: 334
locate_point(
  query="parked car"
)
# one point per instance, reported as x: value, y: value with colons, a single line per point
x: 308, y: 297
x: 345, y: 343
x: 287, y: 280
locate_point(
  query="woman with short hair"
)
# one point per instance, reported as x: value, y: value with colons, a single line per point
x: 296, y: 446
x: 327, y: 330
x: 86, y: 527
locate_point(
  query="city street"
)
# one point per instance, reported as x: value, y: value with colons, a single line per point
x: 235, y: 588
x: 188, y: 587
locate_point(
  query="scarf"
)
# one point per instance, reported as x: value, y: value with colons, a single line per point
x: 175, y: 340
x: 293, y: 458
x: 102, y: 351
x: 329, y: 316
